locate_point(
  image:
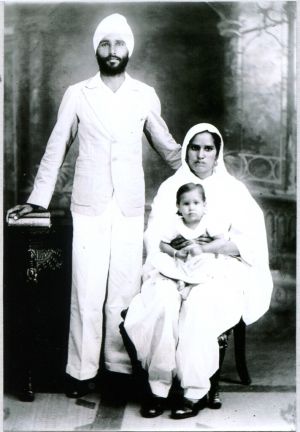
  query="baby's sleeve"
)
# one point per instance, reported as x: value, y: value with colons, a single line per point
x: 169, y: 230
x: 168, y: 234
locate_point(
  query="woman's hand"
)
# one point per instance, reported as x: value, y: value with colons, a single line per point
x: 172, y: 252
x: 217, y: 245
x: 190, y: 250
x: 202, y: 240
x: 180, y: 242
x: 182, y: 254
x: 194, y: 250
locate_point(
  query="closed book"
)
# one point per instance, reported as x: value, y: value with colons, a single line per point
x: 36, y: 219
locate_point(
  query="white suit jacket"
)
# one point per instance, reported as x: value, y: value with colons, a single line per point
x: 110, y: 127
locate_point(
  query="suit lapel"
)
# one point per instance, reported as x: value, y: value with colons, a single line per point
x: 105, y: 104
x: 97, y: 98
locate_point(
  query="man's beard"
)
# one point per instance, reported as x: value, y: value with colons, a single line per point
x: 109, y: 70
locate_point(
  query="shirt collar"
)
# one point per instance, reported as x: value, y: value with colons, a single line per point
x: 96, y: 81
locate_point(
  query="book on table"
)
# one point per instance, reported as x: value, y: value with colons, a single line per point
x: 41, y: 219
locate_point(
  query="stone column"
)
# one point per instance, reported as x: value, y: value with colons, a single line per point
x: 229, y: 29
x: 291, y: 138
x: 9, y: 108
x: 29, y: 58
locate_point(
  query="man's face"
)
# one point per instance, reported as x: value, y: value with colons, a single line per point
x: 112, y: 55
x: 202, y: 155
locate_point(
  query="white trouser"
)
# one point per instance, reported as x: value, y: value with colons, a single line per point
x: 175, y: 337
x: 106, y: 268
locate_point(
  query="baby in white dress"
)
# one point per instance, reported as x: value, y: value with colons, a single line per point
x: 187, y: 263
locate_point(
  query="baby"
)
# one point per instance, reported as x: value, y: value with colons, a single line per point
x: 190, y: 265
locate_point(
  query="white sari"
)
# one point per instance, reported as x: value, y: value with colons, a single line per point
x: 175, y: 337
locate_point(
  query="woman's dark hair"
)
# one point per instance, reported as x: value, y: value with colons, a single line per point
x: 216, y: 138
x: 188, y: 187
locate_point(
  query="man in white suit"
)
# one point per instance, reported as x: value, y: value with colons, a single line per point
x: 110, y: 112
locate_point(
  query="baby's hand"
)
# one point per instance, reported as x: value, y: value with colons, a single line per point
x: 194, y: 250
x: 182, y: 254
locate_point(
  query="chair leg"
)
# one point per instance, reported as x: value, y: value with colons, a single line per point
x: 239, y: 332
x: 214, y: 401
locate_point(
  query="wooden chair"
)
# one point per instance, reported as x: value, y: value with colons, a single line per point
x: 239, y: 335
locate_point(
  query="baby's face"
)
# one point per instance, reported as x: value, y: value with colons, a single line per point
x: 191, y: 206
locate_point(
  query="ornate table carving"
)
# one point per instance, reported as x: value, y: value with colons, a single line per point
x: 34, y: 318
x: 40, y: 259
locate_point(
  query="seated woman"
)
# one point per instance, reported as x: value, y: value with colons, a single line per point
x: 179, y: 338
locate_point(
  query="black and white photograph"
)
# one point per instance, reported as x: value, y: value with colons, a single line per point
x: 149, y: 215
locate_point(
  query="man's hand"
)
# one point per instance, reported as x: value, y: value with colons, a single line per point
x: 19, y: 211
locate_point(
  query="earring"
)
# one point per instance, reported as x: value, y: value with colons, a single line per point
x: 215, y: 166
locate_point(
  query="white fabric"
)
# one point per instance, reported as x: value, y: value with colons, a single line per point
x: 116, y: 24
x: 172, y: 336
x: 175, y: 337
x: 229, y: 199
x: 208, y: 225
x: 194, y: 270
x: 110, y: 126
x: 107, y: 259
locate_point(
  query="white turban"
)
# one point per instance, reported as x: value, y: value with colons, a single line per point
x: 114, y: 23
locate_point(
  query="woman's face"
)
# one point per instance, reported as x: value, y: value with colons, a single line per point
x: 202, y: 155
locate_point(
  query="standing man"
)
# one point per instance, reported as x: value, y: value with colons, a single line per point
x: 110, y: 112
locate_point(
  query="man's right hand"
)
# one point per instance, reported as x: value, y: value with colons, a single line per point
x: 19, y: 211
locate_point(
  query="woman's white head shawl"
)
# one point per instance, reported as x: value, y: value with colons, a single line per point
x: 117, y: 24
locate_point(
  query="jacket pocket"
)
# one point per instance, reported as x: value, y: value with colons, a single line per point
x: 82, y: 193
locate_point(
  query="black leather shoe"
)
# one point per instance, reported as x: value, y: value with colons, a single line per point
x: 77, y: 388
x: 153, y: 406
x: 187, y: 408
x: 214, y: 400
